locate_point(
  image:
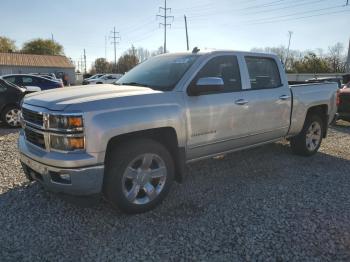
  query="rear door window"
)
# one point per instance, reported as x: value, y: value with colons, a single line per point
x: 263, y: 72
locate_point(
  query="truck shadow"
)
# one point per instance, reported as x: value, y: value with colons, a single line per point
x: 210, y: 188
x: 5, y: 130
x: 341, y: 126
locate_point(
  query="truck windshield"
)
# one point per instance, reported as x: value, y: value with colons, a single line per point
x: 160, y: 72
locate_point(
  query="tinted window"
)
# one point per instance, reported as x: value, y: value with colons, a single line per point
x: 225, y: 67
x: 27, y: 80
x: 3, y: 88
x: 263, y: 72
x: 11, y: 79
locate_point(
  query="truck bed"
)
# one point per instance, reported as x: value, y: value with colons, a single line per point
x: 308, y: 95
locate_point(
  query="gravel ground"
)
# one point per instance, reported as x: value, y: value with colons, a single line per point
x: 263, y: 204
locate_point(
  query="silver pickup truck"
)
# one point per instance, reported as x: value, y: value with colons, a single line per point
x: 130, y: 140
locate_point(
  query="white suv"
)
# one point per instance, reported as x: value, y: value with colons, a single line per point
x: 105, y: 79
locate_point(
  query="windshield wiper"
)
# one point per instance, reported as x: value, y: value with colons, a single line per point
x: 133, y: 84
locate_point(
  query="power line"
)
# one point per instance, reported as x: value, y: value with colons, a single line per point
x: 293, y: 14
x: 302, y: 17
x: 285, y: 7
x: 165, y: 24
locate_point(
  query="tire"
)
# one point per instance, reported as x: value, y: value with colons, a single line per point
x: 10, y: 116
x: 138, y: 175
x: 309, y: 139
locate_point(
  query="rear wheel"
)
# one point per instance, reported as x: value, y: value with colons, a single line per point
x: 11, y: 116
x: 309, y: 140
x: 138, y: 175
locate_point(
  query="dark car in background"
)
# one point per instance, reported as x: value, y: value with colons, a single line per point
x: 344, y: 104
x: 10, y: 98
x: 33, y: 82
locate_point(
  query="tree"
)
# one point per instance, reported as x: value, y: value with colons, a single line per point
x: 7, y: 45
x: 126, y: 62
x: 42, y: 47
x: 311, y: 63
x: 158, y: 51
x: 336, y: 58
x: 143, y: 54
x: 101, y: 65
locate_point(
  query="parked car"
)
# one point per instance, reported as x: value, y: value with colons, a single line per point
x: 344, y: 104
x: 32, y: 82
x: 131, y: 140
x: 105, y: 79
x: 10, y: 97
x: 86, y: 80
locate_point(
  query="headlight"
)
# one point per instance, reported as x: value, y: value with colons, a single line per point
x: 66, y: 143
x: 66, y: 122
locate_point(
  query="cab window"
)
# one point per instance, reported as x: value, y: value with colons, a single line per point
x: 225, y: 67
x: 263, y: 72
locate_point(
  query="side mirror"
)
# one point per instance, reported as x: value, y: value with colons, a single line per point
x: 206, y: 85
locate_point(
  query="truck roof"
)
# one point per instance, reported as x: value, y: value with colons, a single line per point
x: 223, y: 51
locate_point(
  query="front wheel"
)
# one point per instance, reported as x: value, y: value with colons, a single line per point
x: 309, y: 140
x: 11, y: 116
x: 138, y: 175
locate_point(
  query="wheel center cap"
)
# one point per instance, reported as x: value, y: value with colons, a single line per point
x: 142, y: 177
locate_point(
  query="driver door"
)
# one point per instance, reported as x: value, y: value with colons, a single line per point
x: 210, y: 116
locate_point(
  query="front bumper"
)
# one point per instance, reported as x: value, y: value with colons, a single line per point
x: 82, y: 181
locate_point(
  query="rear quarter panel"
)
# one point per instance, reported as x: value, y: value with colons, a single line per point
x: 309, y: 95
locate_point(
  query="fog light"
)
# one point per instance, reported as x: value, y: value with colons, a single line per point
x: 60, y: 178
x: 65, y: 177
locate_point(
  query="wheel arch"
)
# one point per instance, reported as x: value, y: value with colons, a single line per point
x: 322, y: 111
x: 167, y: 136
x: 8, y: 105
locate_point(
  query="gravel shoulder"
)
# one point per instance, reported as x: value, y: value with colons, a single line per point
x: 262, y: 204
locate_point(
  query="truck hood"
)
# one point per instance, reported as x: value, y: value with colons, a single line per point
x: 60, y: 98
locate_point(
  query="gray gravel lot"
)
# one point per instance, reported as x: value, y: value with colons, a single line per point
x: 263, y: 204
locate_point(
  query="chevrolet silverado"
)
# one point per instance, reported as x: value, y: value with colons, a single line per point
x: 129, y: 141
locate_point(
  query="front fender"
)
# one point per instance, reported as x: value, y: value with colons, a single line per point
x: 103, y: 126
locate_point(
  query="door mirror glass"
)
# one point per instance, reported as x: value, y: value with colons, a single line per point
x: 207, y: 85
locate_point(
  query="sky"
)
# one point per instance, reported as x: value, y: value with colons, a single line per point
x: 219, y: 24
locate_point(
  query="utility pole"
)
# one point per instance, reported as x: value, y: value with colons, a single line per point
x: 52, y: 37
x: 81, y: 64
x: 84, y: 61
x: 287, y: 56
x: 188, y: 48
x: 348, y: 60
x: 106, y: 47
x: 165, y: 24
x: 115, y: 37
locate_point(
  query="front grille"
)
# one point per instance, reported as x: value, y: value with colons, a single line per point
x: 35, y: 138
x: 32, y: 117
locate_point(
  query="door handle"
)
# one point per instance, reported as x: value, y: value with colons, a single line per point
x: 241, y: 102
x: 284, y: 97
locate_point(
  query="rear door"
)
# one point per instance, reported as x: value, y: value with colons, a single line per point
x: 268, y: 100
